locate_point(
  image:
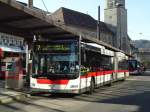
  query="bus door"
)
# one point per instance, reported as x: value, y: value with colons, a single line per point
x: 84, y: 70
x: 2, y: 74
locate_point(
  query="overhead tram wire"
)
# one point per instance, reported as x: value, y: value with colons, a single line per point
x: 45, y: 5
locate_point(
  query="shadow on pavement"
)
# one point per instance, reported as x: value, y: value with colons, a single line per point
x: 141, y: 100
x: 54, y: 96
x: 136, y: 93
x: 25, y: 103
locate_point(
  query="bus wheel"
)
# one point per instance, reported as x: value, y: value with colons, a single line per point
x: 92, y: 86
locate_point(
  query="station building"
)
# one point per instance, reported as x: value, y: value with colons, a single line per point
x: 113, y: 30
x: 28, y: 23
x: 11, y: 44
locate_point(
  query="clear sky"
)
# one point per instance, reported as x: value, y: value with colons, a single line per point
x: 138, y: 13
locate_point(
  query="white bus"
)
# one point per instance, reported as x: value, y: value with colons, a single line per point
x: 73, y: 66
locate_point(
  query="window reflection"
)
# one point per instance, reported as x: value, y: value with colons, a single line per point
x: 57, y: 62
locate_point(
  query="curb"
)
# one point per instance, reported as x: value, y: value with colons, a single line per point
x: 9, y: 99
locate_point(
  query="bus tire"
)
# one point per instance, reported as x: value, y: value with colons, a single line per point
x: 92, y: 86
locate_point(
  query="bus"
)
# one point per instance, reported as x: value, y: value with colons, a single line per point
x: 1, y: 64
x: 135, y: 67
x: 74, y: 66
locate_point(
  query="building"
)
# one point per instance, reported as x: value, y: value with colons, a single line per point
x: 11, y: 44
x: 134, y: 51
x: 83, y: 23
x: 143, y: 54
x: 113, y: 30
x: 29, y: 22
x: 115, y: 16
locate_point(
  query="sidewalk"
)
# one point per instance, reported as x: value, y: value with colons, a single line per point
x: 8, y: 95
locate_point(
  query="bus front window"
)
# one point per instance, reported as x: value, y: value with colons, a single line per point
x: 61, y: 64
x: 56, y: 59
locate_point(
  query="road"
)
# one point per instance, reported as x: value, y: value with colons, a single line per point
x: 132, y: 95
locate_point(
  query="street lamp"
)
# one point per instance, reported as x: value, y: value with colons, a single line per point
x: 98, y: 25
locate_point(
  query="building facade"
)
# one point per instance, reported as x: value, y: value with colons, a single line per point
x: 11, y: 44
x: 143, y: 54
x: 113, y: 30
x: 115, y: 16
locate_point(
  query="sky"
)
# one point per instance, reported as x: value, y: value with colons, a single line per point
x: 138, y: 13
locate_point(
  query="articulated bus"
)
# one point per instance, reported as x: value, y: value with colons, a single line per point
x: 135, y: 67
x: 73, y: 66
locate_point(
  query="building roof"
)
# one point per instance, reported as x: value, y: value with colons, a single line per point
x: 18, y: 19
x: 78, y: 19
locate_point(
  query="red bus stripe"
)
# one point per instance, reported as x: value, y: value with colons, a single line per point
x: 48, y: 81
x: 122, y: 71
x: 90, y: 74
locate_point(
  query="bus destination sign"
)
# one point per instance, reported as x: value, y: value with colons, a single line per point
x: 53, y: 48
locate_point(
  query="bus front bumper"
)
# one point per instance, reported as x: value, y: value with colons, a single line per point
x: 38, y: 90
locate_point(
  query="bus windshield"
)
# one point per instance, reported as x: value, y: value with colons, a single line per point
x: 55, y: 58
x: 132, y: 64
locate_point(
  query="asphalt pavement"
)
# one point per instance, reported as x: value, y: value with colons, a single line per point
x: 9, y: 95
x: 132, y: 95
